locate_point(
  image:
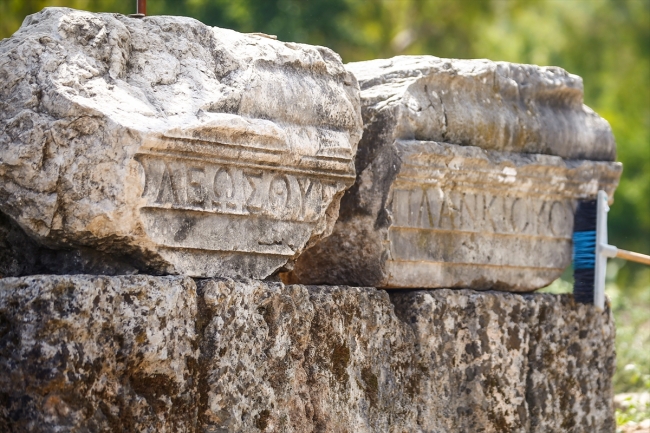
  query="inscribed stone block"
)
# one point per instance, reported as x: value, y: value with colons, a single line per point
x: 181, y: 147
x: 443, y: 215
x: 468, y: 173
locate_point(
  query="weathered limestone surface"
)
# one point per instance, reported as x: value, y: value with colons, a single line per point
x: 91, y: 354
x: 184, y: 148
x: 145, y: 354
x: 466, y: 177
x: 493, y: 105
x: 427, y: 214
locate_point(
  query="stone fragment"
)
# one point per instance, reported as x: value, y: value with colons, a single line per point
x: 97, y: 354
x: 459, y: 177
x: 493, y: 105
x: 427, y: 214
x: 185, y: 148
x: 155, y: 354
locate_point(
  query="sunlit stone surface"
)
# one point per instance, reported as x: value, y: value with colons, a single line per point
x: 174, y: 146
x: 466, y: 190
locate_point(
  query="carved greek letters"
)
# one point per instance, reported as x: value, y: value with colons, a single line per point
x: 166, y: 190
x: 278, y: 194
x: 310, y: 192
x: 223, y: 187
x: 196, y: 186
x: 254, y: 201
x: 490, y: 211
x: 433, y: 208
x: 234, y: 190
x: 519, y: 215
x: 469, y: 211
x: 559, y: 219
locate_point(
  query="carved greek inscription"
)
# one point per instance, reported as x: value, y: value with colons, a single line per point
x: 433, y: 208
x: 234, y: 190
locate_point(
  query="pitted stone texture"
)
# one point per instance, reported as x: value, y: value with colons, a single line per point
x: 147, y: 354
x: 520, y: 363
x: 304, y: 359
x: 187, y: 149
x: 341, y: 359
x: 562, y: 356
x: 97, y: 354
x: 427, y: 214
x: 492, y: 105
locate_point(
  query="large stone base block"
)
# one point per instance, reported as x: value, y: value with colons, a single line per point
x: 170, y: 354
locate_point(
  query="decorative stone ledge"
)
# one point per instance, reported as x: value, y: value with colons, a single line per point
x: 501, y: 106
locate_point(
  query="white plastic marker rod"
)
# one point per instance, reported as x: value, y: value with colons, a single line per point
x: 603, y: 250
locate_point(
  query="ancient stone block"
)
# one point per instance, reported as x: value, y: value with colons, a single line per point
x: 493, y: 105
x: 97, y: 354
x: 442, y: 198
x: 550, y: 381
x: 427, y: 214
x: 187, y: 149
x: 158, y: 354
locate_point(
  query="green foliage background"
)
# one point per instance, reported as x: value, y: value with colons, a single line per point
x: 607, y: 42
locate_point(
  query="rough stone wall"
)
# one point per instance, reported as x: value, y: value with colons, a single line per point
x: 94, y: 354
x: 170, y: 354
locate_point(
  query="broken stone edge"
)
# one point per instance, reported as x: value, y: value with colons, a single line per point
x: 47, y: 202
x: 493, y: 105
